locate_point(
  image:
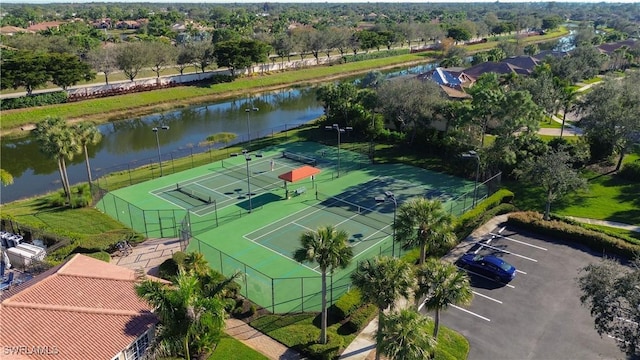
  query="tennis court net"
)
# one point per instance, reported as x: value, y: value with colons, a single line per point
x: 263, y: 182
x: 299, y: 158
x: 200, y: 196
x: 347, y: 209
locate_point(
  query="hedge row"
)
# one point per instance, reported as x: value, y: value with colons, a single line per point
x: 631, y: 171
x: 597, y: 241
x: 57, y: 97
x: 346, y: 304
x: 496, y: 204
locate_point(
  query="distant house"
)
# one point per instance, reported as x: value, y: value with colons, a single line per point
x: 609, y: 48
x: 12, y: 30
x: 527, y: 63
x: 128, y: 24
x: 45, y: 26
x: 82, y: 309
x: 452, y: 83
x: 500, y: 68
x: 104, y: 23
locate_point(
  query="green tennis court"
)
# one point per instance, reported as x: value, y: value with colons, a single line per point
x: 239, y: 215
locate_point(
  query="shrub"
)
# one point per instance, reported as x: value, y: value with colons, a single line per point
x: 595, y: 240
x: 328, y: 351
x: 346, y: 304
x: 168, y: 269
x: 179, y: 257
x: 496, y: 204
x: 360, y: 318
x: 631, y: 171
x: 57, y: 97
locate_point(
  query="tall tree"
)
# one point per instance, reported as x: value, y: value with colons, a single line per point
x: 57, y: 141
x: 87, y: 134
x: 239, y: 54
x: 405, y: 336
x: 553, y: 172
x: 611, y: 115
x: 190, y: 322
x: 328, y: 247
x: 162, y: 55
x: 103, y: 60
x: 441, y: 284
x: 612, y: 295
x: 382, y: 281
x: 24, y: 68
x: 410, y: 104
x: 67, y: 69
x: 131, y: 58
x: 424, y: 223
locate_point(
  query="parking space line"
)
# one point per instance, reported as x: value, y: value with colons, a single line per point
x: 501, y: 230
x: 469, y: 312
x: 487, y: 297
x: 508, y: 252
x: 521, y: 272
x: 519, y: 242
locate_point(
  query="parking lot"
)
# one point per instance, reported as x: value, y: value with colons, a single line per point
x: 538, y: 315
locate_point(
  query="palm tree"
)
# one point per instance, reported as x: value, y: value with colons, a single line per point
x: 57, y: 141
x: 328, y: 247
x: 190, y: 322
x: 406, y: 336
x: 87, y: 134
x: 5, y: 177
x: 382, y: 281
x: 425, y: 223
x: 442, y: 284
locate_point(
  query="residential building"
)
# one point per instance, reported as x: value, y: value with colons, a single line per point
x: 83, y: 309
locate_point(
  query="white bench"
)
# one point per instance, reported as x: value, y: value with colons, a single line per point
x: 301, y: 190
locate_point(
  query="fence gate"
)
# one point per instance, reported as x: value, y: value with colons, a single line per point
x: 168, y: 227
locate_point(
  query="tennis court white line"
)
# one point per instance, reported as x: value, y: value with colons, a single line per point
x: 279, y: 227
x: 284, y: 256
x: 518, y: 241
x: 292, y: 215
x: 302, y: 226
x: 212, y: 190
x: 167, y: 200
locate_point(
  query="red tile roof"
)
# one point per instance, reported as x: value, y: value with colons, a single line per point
x: 85, y: 309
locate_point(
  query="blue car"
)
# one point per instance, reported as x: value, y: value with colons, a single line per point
x: 489, y: 265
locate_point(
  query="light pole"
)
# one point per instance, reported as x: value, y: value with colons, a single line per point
x: 248, y: 158
x: 388, y: 195
x: 249, y: 110
x: 471, y: 154
x: 155, y: 130
x: 339, y: 130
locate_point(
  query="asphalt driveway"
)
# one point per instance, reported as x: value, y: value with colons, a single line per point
x: 537, y: 315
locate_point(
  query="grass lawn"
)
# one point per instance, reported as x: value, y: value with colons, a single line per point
x: 548, y: 123
x: 231, y: 349
x: 299, y: 330
x: 88, y: 229
x: 608, y: 198
x: 547, y: 138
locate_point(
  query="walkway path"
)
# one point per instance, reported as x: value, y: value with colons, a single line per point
x: 153, y: 252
